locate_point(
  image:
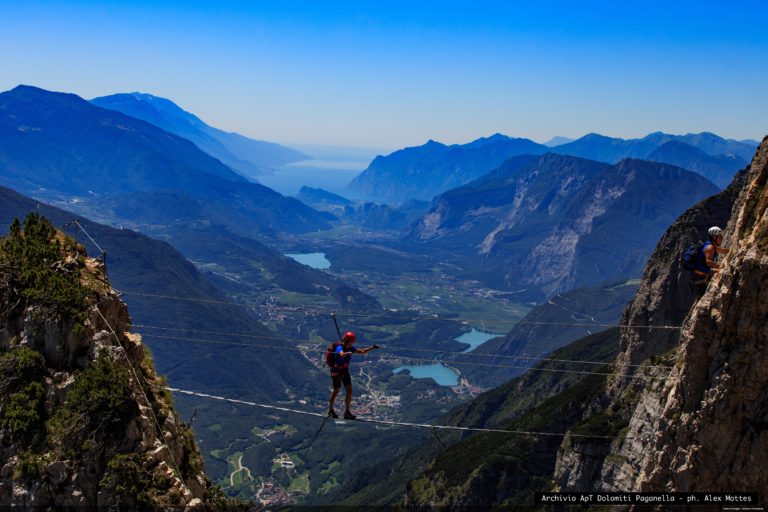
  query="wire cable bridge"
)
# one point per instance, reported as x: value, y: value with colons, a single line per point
x: 386, y: 422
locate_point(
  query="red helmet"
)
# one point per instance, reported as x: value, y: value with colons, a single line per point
x: 348, y: 336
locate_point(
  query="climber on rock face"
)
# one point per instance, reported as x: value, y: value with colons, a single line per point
x: 707, y: 261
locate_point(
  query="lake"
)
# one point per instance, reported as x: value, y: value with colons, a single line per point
x: 312, y: 259
x: 290, y: 179
x: 441, y: 374
x: 476, y: 338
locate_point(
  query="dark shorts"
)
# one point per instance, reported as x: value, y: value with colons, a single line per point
x: 341, y: 377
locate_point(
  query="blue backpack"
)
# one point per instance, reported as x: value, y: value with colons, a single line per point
x: 693, y: 256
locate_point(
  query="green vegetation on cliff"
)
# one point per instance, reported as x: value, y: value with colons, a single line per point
x: 72, y: 427
x: 43, y: 265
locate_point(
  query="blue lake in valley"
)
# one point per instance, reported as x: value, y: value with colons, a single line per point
x: 476, y: 338
x: 437, y: 372
x: 312, y: 259
x: 440, y: 373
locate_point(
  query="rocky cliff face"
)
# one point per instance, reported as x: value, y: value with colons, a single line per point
x: 84, y: 419
x: 545, y: 225
x: 703, y: 426
x: 712, y: 429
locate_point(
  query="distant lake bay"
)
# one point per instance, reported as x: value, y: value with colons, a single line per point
x: 312, y: 259
x: 441, y: 374
x: 476, y: 338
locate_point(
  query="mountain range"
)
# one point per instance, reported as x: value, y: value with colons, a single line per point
x: 544, y: 225
x: 59, y: 147
x: 426, y: 171
x: 246, y: 156
x: 612, y: 149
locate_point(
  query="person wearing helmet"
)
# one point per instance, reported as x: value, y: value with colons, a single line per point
x: 340, y: 373
x: 707, y: 264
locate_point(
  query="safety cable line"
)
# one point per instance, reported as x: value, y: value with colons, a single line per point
x: 453, y: 352
x: 531, y: 368
x: 387, y: 422
x: 423, y: 318
x: 144, y: 394
x: 76, y: 223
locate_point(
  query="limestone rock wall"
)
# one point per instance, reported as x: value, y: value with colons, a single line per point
x: 151, y: 441
x: 698, y: 426
x: 712, y: 432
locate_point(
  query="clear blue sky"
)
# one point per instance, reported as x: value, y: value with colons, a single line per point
x: 388, y: 73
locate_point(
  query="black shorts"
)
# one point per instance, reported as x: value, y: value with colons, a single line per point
x: 341, y: 377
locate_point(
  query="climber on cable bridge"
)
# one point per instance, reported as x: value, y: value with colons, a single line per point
x: 338, y: 357
x: 701, y: 260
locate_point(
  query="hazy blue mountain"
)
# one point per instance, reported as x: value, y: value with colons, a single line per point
x: 544, y: 225
x: 60, y: 142
x: 59, y: 146
x: 715, y: 145
x: 322, y: 199
x: 557, y: 141
x: 609, y: 149
x: 425, y: 171
x: 383, y: 216
x: 247, y: 156
x: 718, y: 169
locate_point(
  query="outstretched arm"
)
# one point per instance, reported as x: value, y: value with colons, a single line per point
x: 366, y: 350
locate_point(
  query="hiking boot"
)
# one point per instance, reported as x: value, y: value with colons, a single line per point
x: 332, y: 414
x: 349, y: 416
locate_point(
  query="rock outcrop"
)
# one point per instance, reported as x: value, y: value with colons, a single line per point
x: 701, y: 428
x: 85, y: 421
x: 712, y: 431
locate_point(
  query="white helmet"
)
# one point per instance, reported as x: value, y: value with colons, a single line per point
x: 714, y: 231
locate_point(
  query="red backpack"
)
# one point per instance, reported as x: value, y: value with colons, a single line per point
x: 330, y: 354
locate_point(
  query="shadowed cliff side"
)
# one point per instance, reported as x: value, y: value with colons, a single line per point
x: 701, y: 430
x: 712, y: 433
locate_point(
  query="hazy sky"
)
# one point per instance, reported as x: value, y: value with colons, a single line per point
x: 388, y: 74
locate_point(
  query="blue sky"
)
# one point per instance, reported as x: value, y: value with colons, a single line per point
x: 391, y: 74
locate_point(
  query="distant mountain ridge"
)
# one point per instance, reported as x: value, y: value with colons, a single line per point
x: 322, y: 199
x: 544, y: 225
x: 425, y: 171
x: 611, y: 150
x: 558, y: 141
x: 58, y: 146
x: 247, y: 156
x: 718, y: 169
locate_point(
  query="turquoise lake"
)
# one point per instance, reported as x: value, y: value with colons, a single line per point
x: 312, y: 259
x: 443, y: 375
x: 440, y: 373
x: 476, y: 338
